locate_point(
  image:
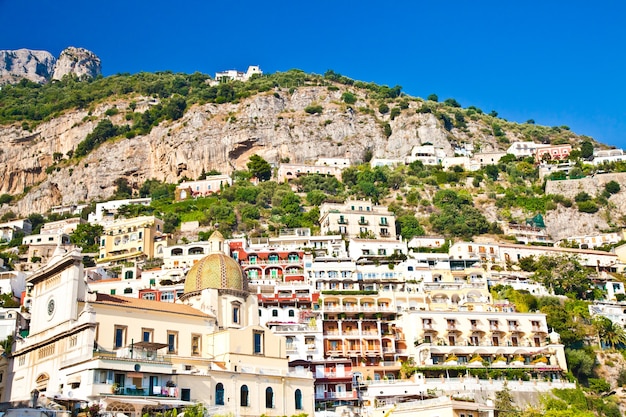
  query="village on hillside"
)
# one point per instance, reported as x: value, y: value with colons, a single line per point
x: 353, y: 320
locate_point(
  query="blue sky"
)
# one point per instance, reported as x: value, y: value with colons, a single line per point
x: 556, y: 62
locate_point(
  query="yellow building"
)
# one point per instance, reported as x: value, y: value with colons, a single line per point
x: 130, y: 239
x: 136, y: 356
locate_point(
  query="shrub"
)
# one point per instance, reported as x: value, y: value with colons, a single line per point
x: 348, y: 98
x: 587, y: 207
x: 314, y: 109
x: 612, y: 187
x: 383, y: 108
x: 387, y: 130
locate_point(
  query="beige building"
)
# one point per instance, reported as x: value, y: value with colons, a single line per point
x: 357, y: 218
x: 131, y: 239
x: 210, y: 185
x: 135, y: 356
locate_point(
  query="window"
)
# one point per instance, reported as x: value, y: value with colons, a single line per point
x: 120, y: 337
x: 275, y: 313
x: 128, y: 275
x: 128, y: 290
x: 146, y: 335
x: 149, y: 296
x: 219, y: 394
x: 382, y: 251
x: 298, y: 398
x: 269, y: 398
x: 244, y: 400
x: 112, y: 292
x: 236, y: 314
x: 195, y: 344
x: 258, y: 343
x: 292, y: 313
x: 172, y: 339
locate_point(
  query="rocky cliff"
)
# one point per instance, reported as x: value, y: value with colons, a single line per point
x: 208, y: 136
x: 42, y: 66
x: 36, y: 66
x: 35, y: 166
x: 77, y: 61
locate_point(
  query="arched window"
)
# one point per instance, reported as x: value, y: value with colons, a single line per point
x: 298, y: 396
x: 128, y: 290
x: 219, y: 394
x: 244, y: 400
x: 269, y: 398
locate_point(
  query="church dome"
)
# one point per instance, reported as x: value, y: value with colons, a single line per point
x: 216, y: 270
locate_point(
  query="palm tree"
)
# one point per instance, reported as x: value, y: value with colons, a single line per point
x: 610, y: 333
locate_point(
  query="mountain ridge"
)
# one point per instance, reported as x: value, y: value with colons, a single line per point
x: 320, y: 117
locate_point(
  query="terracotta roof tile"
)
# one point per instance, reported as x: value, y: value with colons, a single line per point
x: 141, y: 304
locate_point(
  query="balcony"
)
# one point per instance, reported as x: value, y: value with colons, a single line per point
x: 363, y: 222
x: 134, y: 355
x: 342, y: 221
x: 156, y: 391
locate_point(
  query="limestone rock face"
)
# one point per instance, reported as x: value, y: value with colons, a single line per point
x: 36, y: 66
x: 77, y: 61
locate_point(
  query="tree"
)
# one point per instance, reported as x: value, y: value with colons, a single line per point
x: 86, y: 237
x: 175, y: 107
x: 123, y: 189
x: 504, y: 403
x: 492, y: 172
x: 259, y: 168
x: 451, y: 102
x: 586, y: 149
x: 609, y: 332
x: 565, y: 275
x: 433, y: 97
x: 408, y: 226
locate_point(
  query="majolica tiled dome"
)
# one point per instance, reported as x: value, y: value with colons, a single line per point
x: 216, y: 270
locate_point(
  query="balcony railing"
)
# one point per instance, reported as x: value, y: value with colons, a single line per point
x: 156, y: 391
x: 137, y: 356
x: 364, y: 222
x: 342, y: 221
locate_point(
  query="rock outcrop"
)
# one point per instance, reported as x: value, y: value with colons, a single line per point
x: 42, y: 66
x: 77, y: 61
x: 36, y: 66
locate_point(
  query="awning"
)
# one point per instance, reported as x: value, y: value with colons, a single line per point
x: 148, y: 345
x: 60, y: 398
x: 124, y: 400
x: 73, y: 379
x: 175, y: 403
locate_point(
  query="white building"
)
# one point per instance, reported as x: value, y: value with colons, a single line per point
x: 106, y: 211
x: 524, y: 149
x: 376, y: 248
x: 288, y: 172
x: 357, y: 218
x: 488, y: 158
x: 608, y: 155
x: 201, y: 188
x: 10, y: 228
x: 427, y: 155
x: 467, y: 163
x: 334, y: 162
x: 234, y: 75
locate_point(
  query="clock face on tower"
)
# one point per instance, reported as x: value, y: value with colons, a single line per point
x: 51, y: 307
